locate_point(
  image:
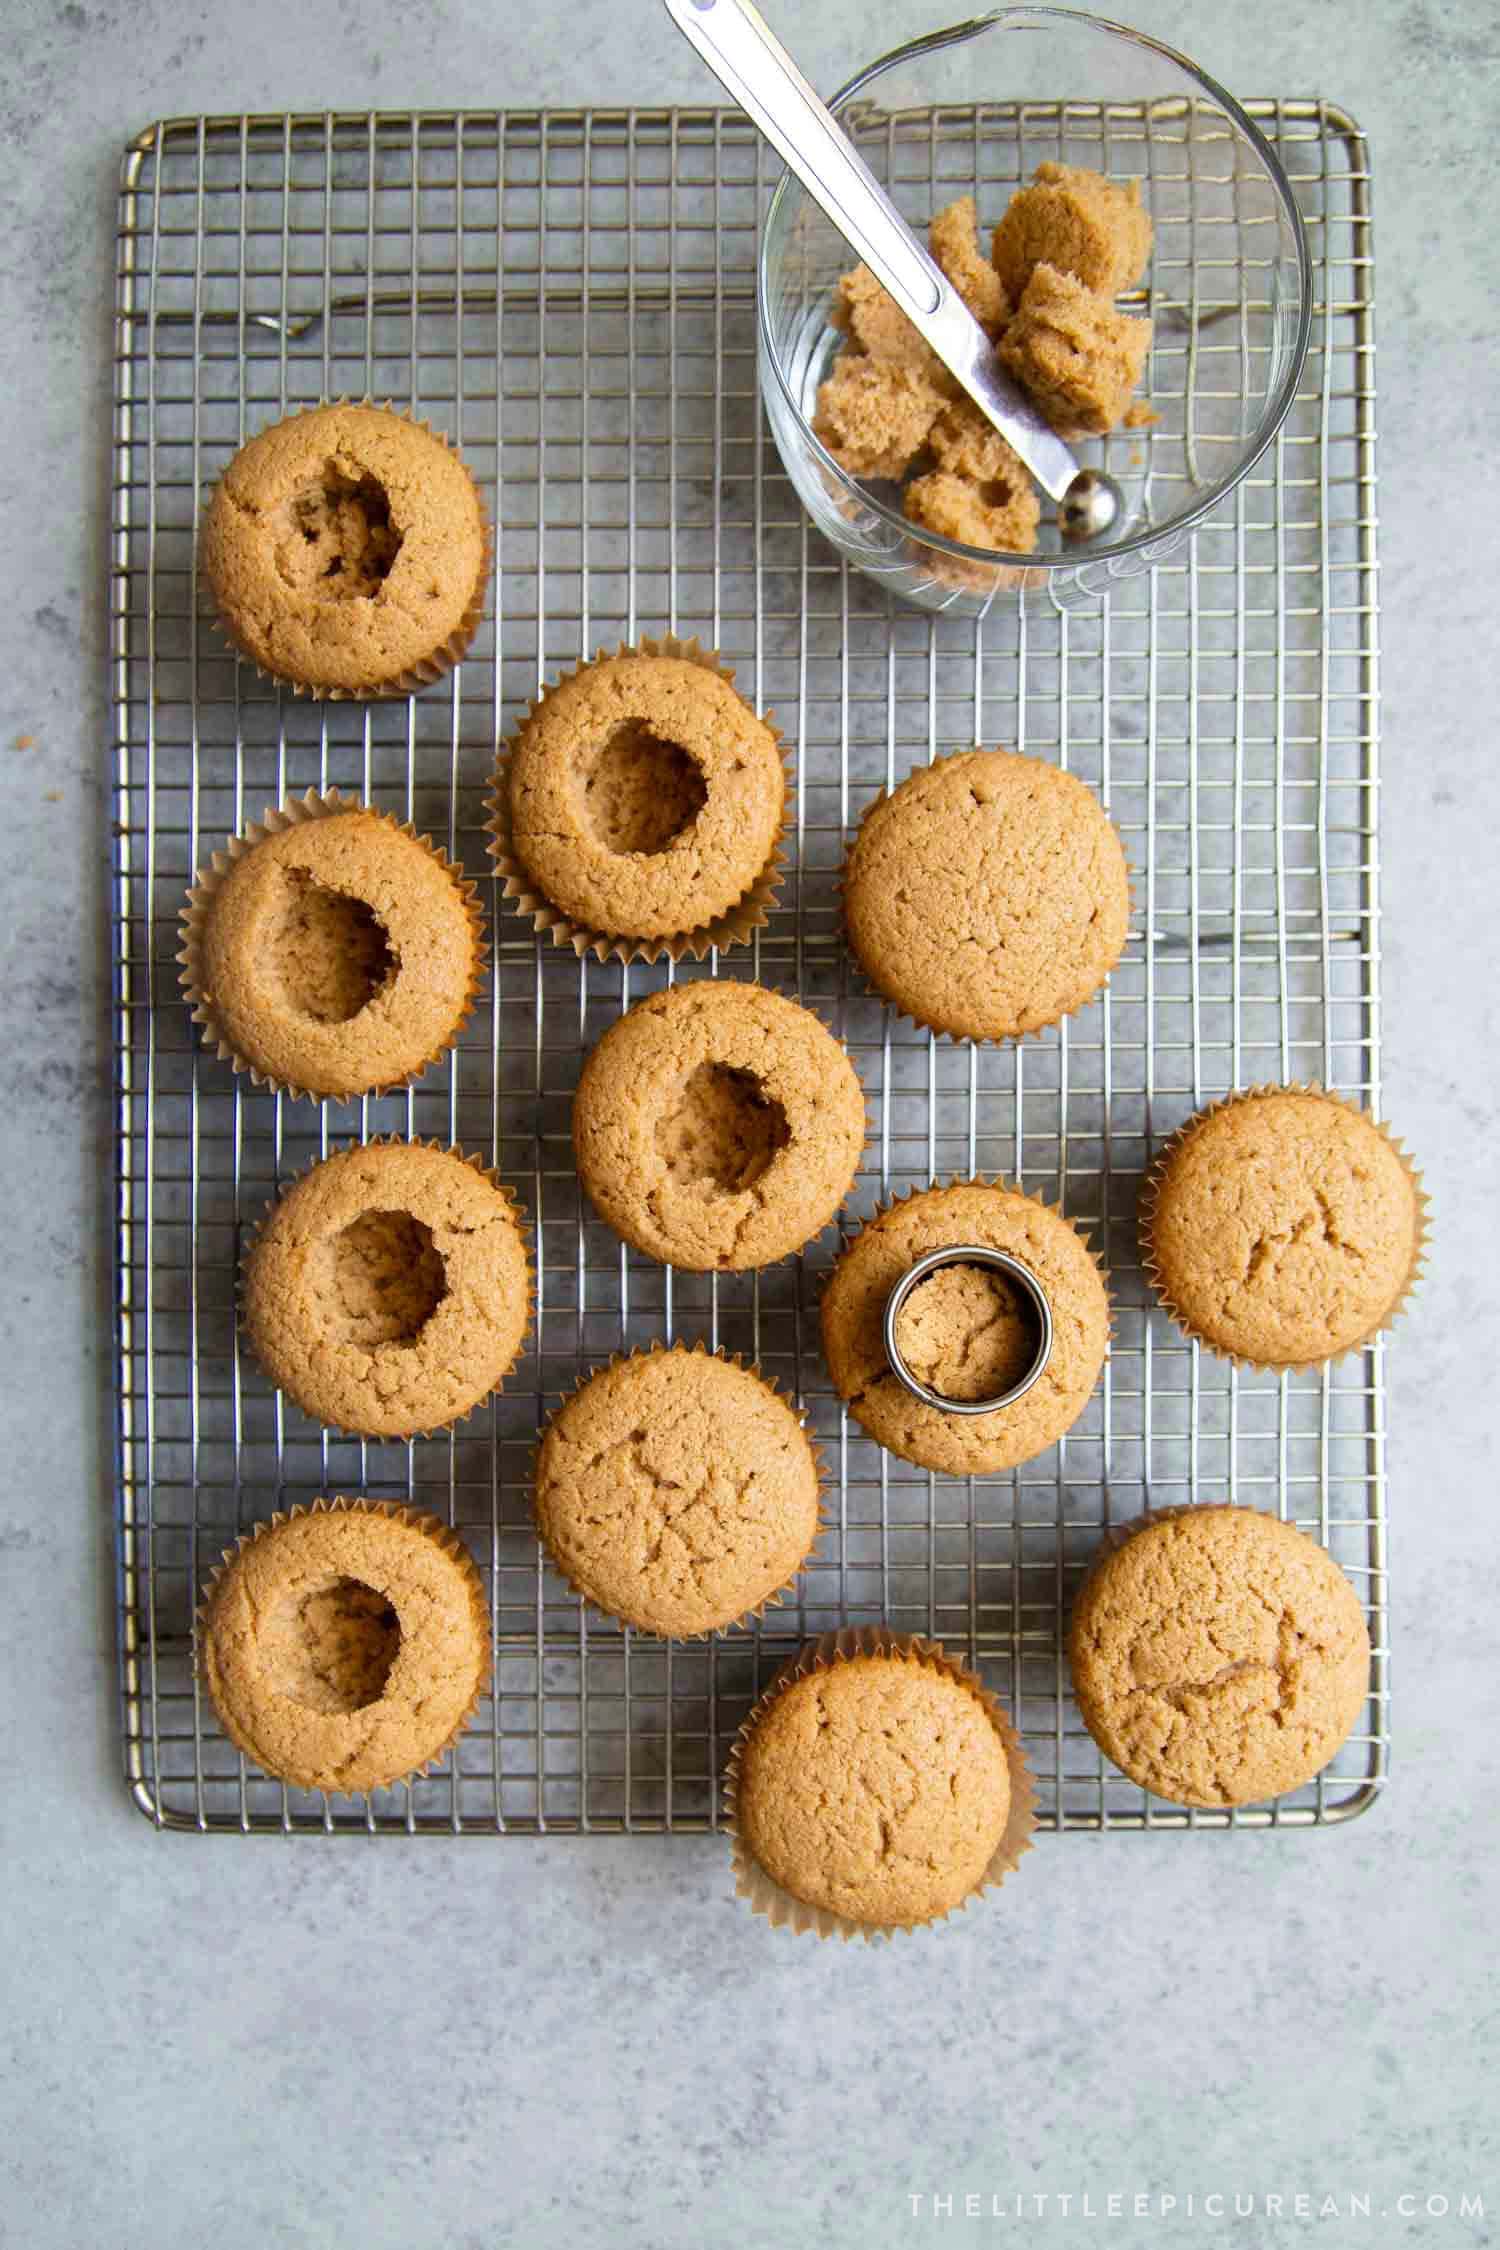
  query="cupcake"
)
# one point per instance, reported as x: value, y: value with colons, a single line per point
x: 347, y: 551
x: 965, y: 1333
x: 1219, y: 1656
x: 876, y: 1786
x: 987, y: 896
x: 639, y: 807
x: 389, y: 1290
x: 1282, y: 1227
x: 718, y: 1126
x: 330, y: 950
x: 345, y: 1646
x: 677, y: 1491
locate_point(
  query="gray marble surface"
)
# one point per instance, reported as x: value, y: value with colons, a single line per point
x: 585, y: 2043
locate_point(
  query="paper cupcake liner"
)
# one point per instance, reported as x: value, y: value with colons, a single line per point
x: 448, y: 652
x: 780, y: 1907
x: 1151, y: 1191
x: 778, y: 1594
x: 419, y: 1519
x: 848, y: 1238
x: 390, y: 1140
x: 193, y: 916
x: 736, y: 926
x: 874, y: 991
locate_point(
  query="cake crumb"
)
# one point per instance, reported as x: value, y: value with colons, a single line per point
x: 874, y: 415
x: 954, y: 240
x: 1077, y: 222
x: 1077, y: 356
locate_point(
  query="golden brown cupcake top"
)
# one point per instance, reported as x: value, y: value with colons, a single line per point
x: 336, y: 954
x: 988, y: 895
x: 344, y: 1647
x: 877, y: 1787
x: 645, y: 797
x: 1282, y: 1227
x: 718, y: 1125
x: 388, y: 1291
x: 347, y: 551
x: 1219, y: 1656
x: 972, y: 1338
x: 677, y: 1491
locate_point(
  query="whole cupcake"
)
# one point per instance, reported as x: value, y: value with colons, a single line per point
x: 1282, y: 1227
x: 389, y: 1290
x: 1219, y: 1656
x: 964, y: 1331
x: 677, y: 1491
x: 987, y: 896
x: 347, y: 552
x: 345, y: 1646
x: 877, y: 1785
x: 639, y: 807
x: 718, y: 1126
x: 330, y: 950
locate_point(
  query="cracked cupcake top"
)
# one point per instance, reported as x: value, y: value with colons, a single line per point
x: 877, y: 1787
x: 346, y: 549
x: 677, y: 1491
x: 718, y: 1125
x: 1219, y: 1656
x: 1282, y: 1227
x: 988, y: 895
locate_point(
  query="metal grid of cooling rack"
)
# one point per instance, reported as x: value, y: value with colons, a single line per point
x: 572, y: 298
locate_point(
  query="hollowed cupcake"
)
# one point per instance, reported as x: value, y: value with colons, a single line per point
x: 639, y: 807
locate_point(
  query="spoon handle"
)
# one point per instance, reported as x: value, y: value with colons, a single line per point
x: 756, y: 69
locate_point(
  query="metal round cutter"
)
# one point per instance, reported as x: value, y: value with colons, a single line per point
x: 968, y: 1254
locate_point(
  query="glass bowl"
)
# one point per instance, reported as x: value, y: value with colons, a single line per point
x: 974, y: 110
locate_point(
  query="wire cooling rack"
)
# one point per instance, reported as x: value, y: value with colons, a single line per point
x: 572, y: 298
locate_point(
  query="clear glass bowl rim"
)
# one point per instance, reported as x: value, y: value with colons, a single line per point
x: 1271, y: 421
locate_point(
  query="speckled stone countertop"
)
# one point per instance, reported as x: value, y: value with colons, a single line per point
x: 583, y: 2043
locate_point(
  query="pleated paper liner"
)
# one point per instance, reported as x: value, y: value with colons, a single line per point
x: 445, y: 653
x: 781, y: 1907
x: 1004, y: 1187
x: 256, y: 1235
x: 922, y: 1023
x: 426, y: 1526
x: 736, y: 926
x: 194, y: 917
x: 1150, y: 1194
x: 778, y: 1594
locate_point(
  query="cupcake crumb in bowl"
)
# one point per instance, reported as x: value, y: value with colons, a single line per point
x: 1035, y: 98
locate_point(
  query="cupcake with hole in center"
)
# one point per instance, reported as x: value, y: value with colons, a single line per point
x: 347, y: 552
x: 330, y: 950
x: 388, y: 1291
x: 639, y: 807
x: 718, y: 1126
x: 344, y: 1646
